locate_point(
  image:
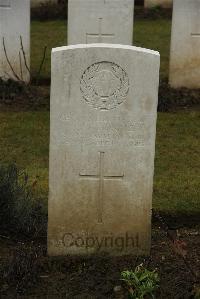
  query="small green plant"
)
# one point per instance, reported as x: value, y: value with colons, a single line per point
x: 141, y: 283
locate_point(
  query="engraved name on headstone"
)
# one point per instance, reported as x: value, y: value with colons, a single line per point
x: 100, y: 21
x: 102, y: 140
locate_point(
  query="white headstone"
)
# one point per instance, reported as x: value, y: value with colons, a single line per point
x: 161, y: 3
x: 103, y: 127
x: 15, y: 32
x: 100, y: 21
x: 185, y: 44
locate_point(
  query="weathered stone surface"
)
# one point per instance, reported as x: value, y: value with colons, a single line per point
x: 103, y: 127
x: 100, y: 21
x: 14, y: 23
x: 161, y: 3
x: 185, y: 44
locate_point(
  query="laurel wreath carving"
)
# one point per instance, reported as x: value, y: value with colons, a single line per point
x: 88, y: 89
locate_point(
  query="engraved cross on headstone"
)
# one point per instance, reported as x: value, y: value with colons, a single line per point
x: 195, y: 34
x: 5, y: 3
x: 101, y: 177
x: 99, y: 36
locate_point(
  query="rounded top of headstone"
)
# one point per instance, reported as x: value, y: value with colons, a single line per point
x: 106, y: 46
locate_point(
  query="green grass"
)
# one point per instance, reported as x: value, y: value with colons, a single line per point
x: 24, y: 139
x: 51, y: 34
x: 177, y: 163
x: 155, y: 35
x: 147, y: 33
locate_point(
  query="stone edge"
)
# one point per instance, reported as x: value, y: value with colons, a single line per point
x: 108, y: 46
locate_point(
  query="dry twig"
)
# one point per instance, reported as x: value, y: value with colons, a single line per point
x: 24, y: 56
x: 10, y: 65
x: 42, y: 62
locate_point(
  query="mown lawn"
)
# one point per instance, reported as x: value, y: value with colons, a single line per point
x: 24, y: 139
x: 51, y: 34
x: 155, y: 35
x: 177, y: 163
x: 152, y: 34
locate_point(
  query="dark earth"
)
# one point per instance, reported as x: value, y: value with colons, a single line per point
x: 27, y: 272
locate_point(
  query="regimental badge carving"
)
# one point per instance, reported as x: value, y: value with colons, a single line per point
x: 104, y: 85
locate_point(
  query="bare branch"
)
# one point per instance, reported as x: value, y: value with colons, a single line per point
x: 10, y: 65
x: 24, y: 55
x: 42, y: 62
x: 20, y: 62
